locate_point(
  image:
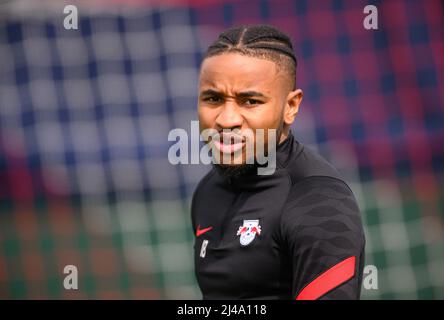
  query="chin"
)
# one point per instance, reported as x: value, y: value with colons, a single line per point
x: 239, y: 160
x: 233, y: 170
x: 233, y: 163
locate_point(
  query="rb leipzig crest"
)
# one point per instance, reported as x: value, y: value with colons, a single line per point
x: 248, y: 231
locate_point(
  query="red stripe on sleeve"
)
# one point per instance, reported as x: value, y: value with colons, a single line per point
x: 329, y: 280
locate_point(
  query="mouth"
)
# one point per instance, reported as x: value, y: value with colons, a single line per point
x: 229, y: 143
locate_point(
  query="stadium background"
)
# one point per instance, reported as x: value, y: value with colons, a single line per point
x: 85, y: 114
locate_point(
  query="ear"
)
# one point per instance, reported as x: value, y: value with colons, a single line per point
x: 294, y: 99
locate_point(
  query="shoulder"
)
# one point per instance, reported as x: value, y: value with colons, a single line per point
x: 202, y: 186
x: 312, y: 189
x: 314, y: 181
x: 322, y: 206
x: 309, y: 163
x: 204, y: 182
x: 198, y: 193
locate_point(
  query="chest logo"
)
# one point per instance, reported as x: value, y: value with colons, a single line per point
x: 248, y: 231
x: 200, y: 231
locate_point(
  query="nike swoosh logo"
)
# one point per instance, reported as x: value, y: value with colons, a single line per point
x: 200, y: 231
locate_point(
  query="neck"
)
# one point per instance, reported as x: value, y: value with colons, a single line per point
x: 285, y: 132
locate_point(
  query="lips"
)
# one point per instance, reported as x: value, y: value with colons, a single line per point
x: 229, y: 142
x: 229, y: 148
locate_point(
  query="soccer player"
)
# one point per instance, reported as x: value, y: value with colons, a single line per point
x: 293, y: 234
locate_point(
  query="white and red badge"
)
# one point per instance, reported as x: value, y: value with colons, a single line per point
x: 248, y: 231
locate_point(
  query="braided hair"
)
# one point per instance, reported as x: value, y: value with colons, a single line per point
x: 260, y: 41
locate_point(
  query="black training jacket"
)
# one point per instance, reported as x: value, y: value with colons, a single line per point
x: 296, y: 234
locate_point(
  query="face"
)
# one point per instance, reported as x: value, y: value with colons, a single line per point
x: 241, y: 94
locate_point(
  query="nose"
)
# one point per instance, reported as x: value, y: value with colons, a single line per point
x: 229, y: 116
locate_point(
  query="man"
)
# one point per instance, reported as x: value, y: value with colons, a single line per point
x: 292, y: 234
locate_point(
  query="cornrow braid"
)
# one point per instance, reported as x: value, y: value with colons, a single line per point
x: 261, y: 41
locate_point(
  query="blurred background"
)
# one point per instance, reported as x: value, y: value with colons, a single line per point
x: 85, y: 115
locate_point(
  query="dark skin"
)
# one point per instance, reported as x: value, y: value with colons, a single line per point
x: 243, y: 92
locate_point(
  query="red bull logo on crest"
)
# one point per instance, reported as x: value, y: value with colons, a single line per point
x: 248, y: 231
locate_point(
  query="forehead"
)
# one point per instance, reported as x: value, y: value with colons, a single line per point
x: 236, y: 71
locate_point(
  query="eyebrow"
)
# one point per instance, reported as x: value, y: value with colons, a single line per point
x: 249, y: 94
x: 244, y: 94
x: 210, y: 92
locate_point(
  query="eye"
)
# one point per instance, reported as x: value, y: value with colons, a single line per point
x: 252, y: 102
x: 213, y: 99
